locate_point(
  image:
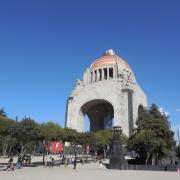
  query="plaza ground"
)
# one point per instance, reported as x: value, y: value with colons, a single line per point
x: 90, y: 171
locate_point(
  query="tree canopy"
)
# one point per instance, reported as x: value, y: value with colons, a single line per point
x: 153, y: 137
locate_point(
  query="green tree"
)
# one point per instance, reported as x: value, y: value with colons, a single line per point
x: 49, y: 131
x: 178, y: 151
x: 153, y: 138
x: 163, y: 134
x: 144, y: 143
x: 2, y: 113
x: 26, y: 133
x: 103, y: 140
x: 7, y: 141
x: 87, y: 138
x: 70, y: 135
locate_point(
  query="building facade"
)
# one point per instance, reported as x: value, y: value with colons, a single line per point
x: 108, y: 95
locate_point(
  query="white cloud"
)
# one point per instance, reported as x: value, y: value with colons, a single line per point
x: 178, y: 109
x: 176, y: 127
x: 161, y: 109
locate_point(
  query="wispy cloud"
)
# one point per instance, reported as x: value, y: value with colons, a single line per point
x: 178, y: 109
x: 161, y: 109
x: 176, y: 127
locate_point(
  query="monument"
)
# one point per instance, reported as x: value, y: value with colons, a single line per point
x: 117, y: 159
x: 108, y: 95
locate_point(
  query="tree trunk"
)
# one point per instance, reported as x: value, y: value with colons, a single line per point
x: 104, y: 150
x: 147, y: 158
x: 153, y: 158
x: 34, y: 151
x: 5, y: 147
x: 10, y: 149
x: 23, y: 150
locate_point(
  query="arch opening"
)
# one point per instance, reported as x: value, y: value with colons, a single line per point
x: 100, y: 114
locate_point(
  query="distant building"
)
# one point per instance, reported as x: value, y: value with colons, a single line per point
x: 108, y: 94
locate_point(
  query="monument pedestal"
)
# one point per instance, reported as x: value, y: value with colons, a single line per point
x: 117, y: 159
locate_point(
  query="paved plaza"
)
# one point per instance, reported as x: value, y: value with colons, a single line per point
x: 90, y: 171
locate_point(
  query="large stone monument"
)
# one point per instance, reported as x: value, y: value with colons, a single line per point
x: 108, y: 95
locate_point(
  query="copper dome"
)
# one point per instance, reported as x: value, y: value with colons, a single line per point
x: 109, y: 58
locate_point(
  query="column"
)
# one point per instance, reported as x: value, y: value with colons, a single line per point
x: 98, y: 75
x: 93, y: 76
x: 102, y: 73
x: 107, y: 73
x: 130, y: 110
x: 114, y: 73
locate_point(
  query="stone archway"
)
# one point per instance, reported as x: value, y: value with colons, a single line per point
x: 100, y: 113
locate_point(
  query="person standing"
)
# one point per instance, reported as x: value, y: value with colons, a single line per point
x: 95, y: 156
x: 74, y: 163
x: 19, y: 162
x: 100, y: 164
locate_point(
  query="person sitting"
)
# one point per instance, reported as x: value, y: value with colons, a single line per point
x: 10, y: 165
x: 51, y: 163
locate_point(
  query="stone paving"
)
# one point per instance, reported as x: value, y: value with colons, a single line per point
x: 90, y: 171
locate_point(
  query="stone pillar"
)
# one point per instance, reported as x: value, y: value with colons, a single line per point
x: 102, y: 73
x: 93, y: 76
x: 107, y: 73
x: 114, y: 72
x: 98, y: 75
x: 80, y: 126
x: 130, y: 110
x: 88, y: 76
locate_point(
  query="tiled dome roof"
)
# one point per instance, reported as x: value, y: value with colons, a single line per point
x: 109, y: 58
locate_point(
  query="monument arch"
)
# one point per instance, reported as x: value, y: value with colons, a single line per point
x: 100, y: 113
x: 107, y: 92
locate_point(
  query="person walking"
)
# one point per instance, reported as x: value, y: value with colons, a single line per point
x: 74, y: 163
x: 100, y: 164
x: 19, y: 162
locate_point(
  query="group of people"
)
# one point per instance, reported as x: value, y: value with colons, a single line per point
x: 69, y: 160
x: 21, y: 161
x: 26, y: 161
x: 64, y: 160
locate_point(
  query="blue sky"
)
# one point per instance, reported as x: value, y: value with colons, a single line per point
x: 46, y: 45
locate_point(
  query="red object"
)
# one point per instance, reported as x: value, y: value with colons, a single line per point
x: 55, y: 147
x: 86, y: 149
